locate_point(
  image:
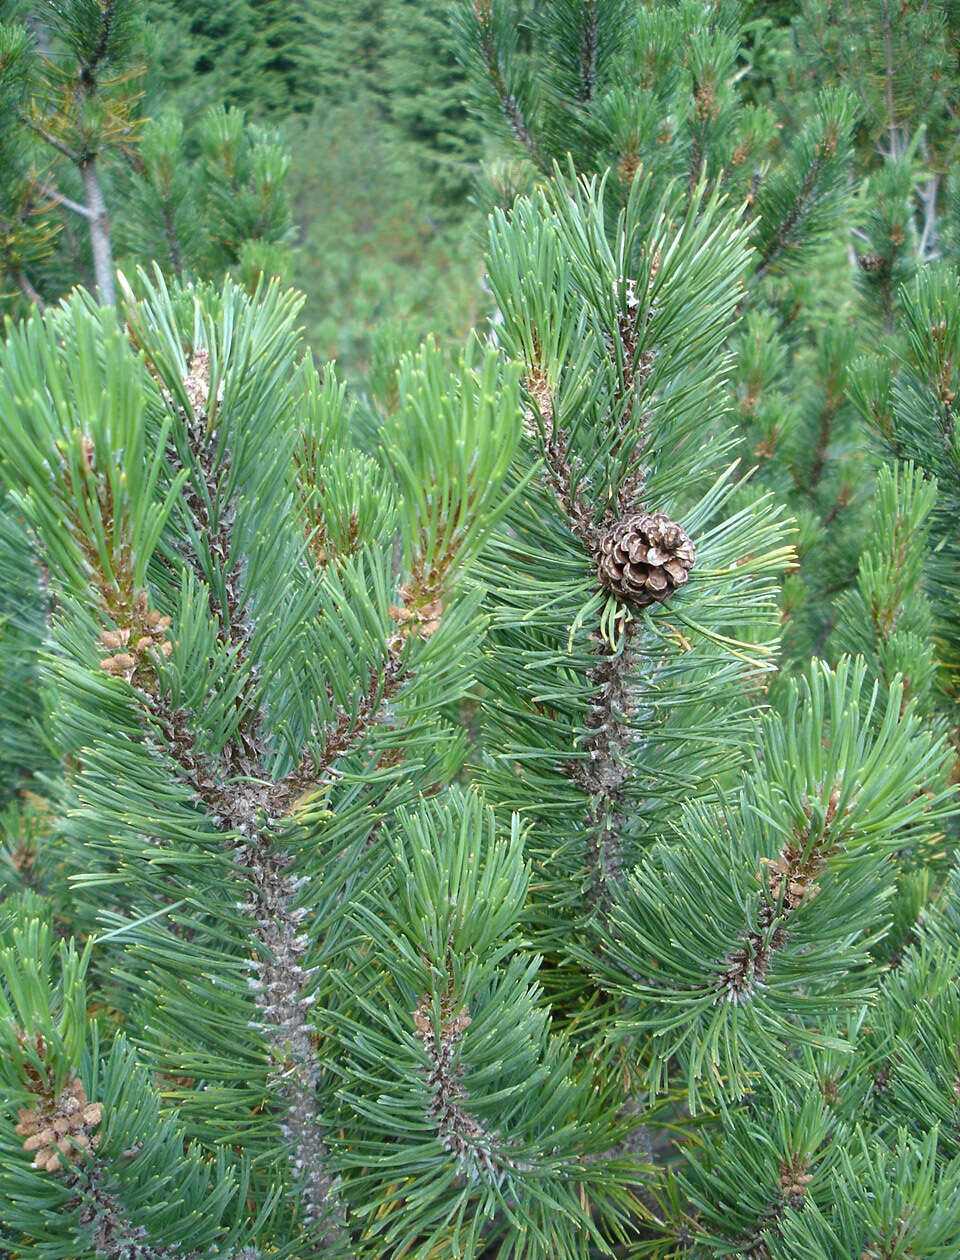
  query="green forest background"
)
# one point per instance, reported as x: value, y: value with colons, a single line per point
x: 369, y: 100
x: 385, y: 175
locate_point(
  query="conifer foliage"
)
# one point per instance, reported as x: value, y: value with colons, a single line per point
x: 78, y: 148
x: 427, y: 850
x: 250, y: 689
x: 666, y: 89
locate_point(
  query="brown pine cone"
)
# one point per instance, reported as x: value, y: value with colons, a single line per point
x: 644, y: 558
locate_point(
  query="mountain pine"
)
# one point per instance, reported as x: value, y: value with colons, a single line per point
x: 471, y: 834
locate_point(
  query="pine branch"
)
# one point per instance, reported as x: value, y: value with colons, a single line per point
x: 213, y: 523
x: 49, y: 138
x: 606, y: 771
x: 241, y: 807
x: 67, y: 202
x: 242, y: 801
x: 108, y: 1229
x: 827, y: 414
x: 633, y: 368
x: 794, y: 215
x: 173, y: 242
x: 604, y: 775
x: 76, y: 255
x: 809, y: 854
x: 895, y: 145
x: 438, y: 935
x: 509, y: 104
x: 62, y: 1127
x: 28, y: 291
x: 337, y: 741
x: 108, y: 13
x: 788, y: 880
x: 570, y: 497
x: 279, y: 993
x: 588, y: 51
x: 460, y: 1132
x: 928, y: 247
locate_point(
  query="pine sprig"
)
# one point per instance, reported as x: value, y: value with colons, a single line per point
x: 274, y: 708
x: 799, y: 870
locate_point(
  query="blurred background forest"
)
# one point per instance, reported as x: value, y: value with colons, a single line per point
x: 369, y: 153
x: 366, y: 101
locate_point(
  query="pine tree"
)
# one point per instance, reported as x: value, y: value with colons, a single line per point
x: 423, y: 90
x: 670, y: 90
x: 660, y: 956
x: 81, y: 106
x: 225, y: 211
x: 909, y: 400
x: 25, y: 241
x: 203, y: 468
x: 262, y: 57
x: 813, y: 118
x: 143, y: 190
x: 250, y: 687
x: 376, y: 245
x: 723, y: 926
x: 349, y: 48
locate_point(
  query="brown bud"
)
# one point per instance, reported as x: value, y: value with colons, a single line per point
x: 462, y: 1021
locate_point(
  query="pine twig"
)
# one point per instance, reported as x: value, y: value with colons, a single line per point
x: 588, y: 51
x: 67, y: 202
x: 604, y: 775
x: 28, y: 291
x: 508, y: 102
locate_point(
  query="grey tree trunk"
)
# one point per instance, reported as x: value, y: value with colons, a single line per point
x: 99, y: 224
